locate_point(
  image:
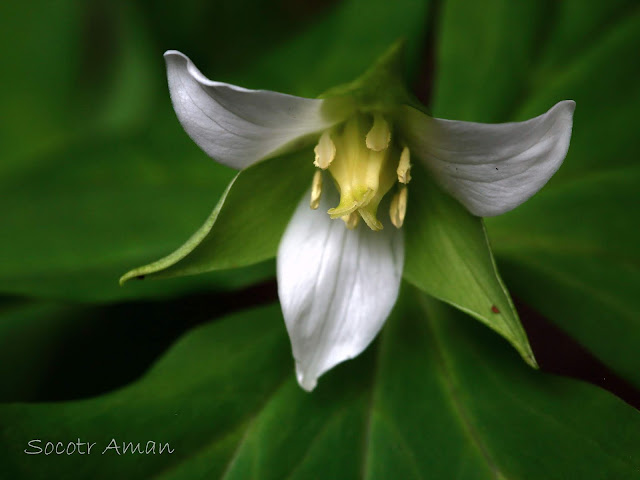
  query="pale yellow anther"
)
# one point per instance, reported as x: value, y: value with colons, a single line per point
x: 316, y: 190
x: 404, y: 166
x: 379, y: 136
x: 351, y: 220
x: 325, y: 151
x: 398, y: 208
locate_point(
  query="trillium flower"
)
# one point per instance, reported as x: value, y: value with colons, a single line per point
x: 341, y: 257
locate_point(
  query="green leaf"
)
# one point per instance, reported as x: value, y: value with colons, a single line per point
x: 41, y: 342
x: 80, y: 69
x: 573, y: 254
x: 571, y: 251
x: 449, y: 257
x: 71, y: 230
x: 601, y: 203
x: 601, y: 79
x: 246, y: 225
x: 85, y: 149
x: 32, y: 115
x: 530, y: 55
x: 480, y: 80
x: 437, y: 397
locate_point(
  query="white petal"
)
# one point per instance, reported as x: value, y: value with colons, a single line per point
x: 491, y: 168
x: 336, y: 286
x: 236, y: 126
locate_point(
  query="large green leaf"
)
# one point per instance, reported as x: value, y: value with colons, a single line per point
x: 226, y: 401
x: 582, y: 274
x: 80, y: 68
x: 71, y: 230
x: 483, y: 56
x: 448, y: 256
x: 602, y: 204
x: 602, y: 81
x: 571, y: 251
x: 84, y: 150
x: 529, y: 55
x: 32, y: 115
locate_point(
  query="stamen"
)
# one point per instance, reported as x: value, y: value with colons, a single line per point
x: 325, y: 151
x: 316, y: 190
x: 379, y: 136
x: 404, y: 166
x: 351, y: 221
x: 398, y: 207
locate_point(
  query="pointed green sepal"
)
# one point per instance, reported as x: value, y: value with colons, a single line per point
x: 449, y: 257
x: 245, y: 226
x: 379, y: 89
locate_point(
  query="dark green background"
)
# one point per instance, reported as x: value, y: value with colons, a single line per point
x: 97, y: 177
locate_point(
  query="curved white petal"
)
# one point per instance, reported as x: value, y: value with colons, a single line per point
x: 491, y: 168
x: 236, y: 126
x: 336, y: 287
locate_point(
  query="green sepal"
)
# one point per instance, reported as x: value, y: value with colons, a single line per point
x: 449, y: 257
x: 381, y: 88
x: 245, y: 226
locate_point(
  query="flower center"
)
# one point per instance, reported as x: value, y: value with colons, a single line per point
x: 365, y: 161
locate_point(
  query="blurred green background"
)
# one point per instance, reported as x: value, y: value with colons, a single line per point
x: 97, y: 176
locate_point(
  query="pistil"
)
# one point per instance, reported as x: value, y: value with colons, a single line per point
x: 365, y: 162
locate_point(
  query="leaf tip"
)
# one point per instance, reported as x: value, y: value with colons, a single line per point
x: 531, y: 360
x: 129, y: 275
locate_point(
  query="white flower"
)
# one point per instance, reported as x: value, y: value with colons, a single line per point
x: 338, y: 280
